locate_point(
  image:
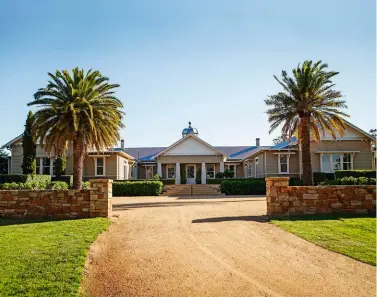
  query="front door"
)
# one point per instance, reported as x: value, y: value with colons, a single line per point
x: 190, y: 174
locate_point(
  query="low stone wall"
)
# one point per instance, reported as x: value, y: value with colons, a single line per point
x: 284, y: 200
x: 95, y: 202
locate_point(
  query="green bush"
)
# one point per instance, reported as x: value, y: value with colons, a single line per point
x: 68, y: 179
x: 156, y: 177
x: 85, y: 185
x: 319, y: 177
x: 146, y: 188
x: 60, y: 165
x: 219, y: 175
x: 243, y: 187
x: 228, y: 173
x: 198, y: 178
x: 355, y: 173
x: 215, y: 181
x: 168, y: 181
x: 183, y: 174
x: 23, y: 178
x: 57, y: 185
x: 350, y: 180
x: 295, y: 182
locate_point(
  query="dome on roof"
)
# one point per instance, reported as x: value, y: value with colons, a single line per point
x: 189, y: 130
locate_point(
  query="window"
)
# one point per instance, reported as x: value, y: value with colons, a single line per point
x: 283, y: 163
x: 210, y: 171
x: 170, y: 171
x: 337, y: 161
x: 347, y: 162
x: 100, y: 166
x: 149, y: 172
x: 250, y: 170
x: 256, y: 171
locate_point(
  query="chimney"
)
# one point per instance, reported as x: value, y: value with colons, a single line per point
x: 257, y: 141
x: 122, y: 144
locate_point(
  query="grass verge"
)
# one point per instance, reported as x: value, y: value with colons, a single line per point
x: 45, y: 258
x: 352, y: 236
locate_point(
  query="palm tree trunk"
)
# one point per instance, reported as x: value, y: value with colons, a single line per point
x: 78, y: 160
x: 307, y: 174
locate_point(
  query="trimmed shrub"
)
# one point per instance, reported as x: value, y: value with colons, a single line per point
x: 29, y: 147
x: 350, y: 180
x: 215, y: 181
x: 23, y: 178
x: 146, y: 188
x: 85, y: 185
x: 156, y: 177
x: 228, y: 173
x: 355, y: 173
x: 57, y: 185
x: 243, y: 187
x: 168, y: 181
x: 319, y: 177
x: 68, y: 179
x: 219, y: 175
x: 198, y: 177
x: 183, y: 174
x: 295, y: 182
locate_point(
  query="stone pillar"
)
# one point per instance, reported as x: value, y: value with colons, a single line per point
x: 159, y: 169
x: 204, y: 173
x: 101, y: 192
x: 273, y: 186
x: 178, y: 173
x: 222, y: 166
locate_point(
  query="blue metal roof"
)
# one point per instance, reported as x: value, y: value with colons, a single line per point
x: 284, y: 144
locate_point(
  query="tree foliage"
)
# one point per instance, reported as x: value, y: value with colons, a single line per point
x: 307, y: 105
x: 29, y: 147
x: 60, y: 165
x: 3, y: 162
x: 80, y: 108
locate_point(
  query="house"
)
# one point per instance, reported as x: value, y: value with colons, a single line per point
x: 191, y: 153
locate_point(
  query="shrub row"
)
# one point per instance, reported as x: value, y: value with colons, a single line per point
x: 64, y: 178
x: 35, y: 185
x: 349, y: 180
x: 24, y: 178
x: 137, y: 188
x: 243, y: 187
x: 355, y: 173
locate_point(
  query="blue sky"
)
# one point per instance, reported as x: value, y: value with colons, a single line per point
x: 210, y: 62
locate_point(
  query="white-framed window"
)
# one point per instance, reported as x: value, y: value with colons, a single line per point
x: 283, y: 163
x: 45, y: 165
x: 250, y: 170
x: 170, y: 171
x: 336, y: 161
x: 210, y: 170
x: 149, y: 172
x: 100, y: 166
x: 256, y: 164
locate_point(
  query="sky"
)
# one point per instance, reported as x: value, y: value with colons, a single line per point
x: 208, y: 62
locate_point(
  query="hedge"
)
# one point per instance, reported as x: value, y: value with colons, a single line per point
x: 35, y: 185
x: 243, y: 187
x: 141, y: 188
x: 349, y: 180
x: 319, y: 177
x: 68, y: 179
x: 23, y: 178
x: 164, y: 181
x: 218, y: 181
x: 355, y: 173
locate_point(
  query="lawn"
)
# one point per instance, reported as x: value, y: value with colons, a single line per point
x: 354, y: 237
x: 45, y: 258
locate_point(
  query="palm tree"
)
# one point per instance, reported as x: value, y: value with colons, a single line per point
x: 307, y: 105
x: 80, y: 109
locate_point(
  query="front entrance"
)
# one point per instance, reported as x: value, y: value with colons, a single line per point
x: 190, y: 174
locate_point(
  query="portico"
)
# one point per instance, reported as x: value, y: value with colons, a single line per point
x: 188, y: 158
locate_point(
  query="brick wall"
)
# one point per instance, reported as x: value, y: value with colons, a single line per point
x: 95, y: 202
x: 283, y: 200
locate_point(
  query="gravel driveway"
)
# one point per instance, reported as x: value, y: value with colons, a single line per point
x: 163, y: 246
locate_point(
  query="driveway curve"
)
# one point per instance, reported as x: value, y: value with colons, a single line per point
x: 166, y: 246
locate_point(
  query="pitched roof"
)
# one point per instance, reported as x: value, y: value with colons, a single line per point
x: 285, y: 144
x: 148, y: 154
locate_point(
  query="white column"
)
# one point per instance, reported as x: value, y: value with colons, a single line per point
x: 159, y: 169
x: 222, y: 166
x: 204, y: 173
x: 51, y: 166
x: 177, y: 173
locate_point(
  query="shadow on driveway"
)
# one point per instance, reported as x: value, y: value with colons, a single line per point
x: 261, y: 219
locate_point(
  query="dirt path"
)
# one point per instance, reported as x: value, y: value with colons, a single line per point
x: 213, y: 247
